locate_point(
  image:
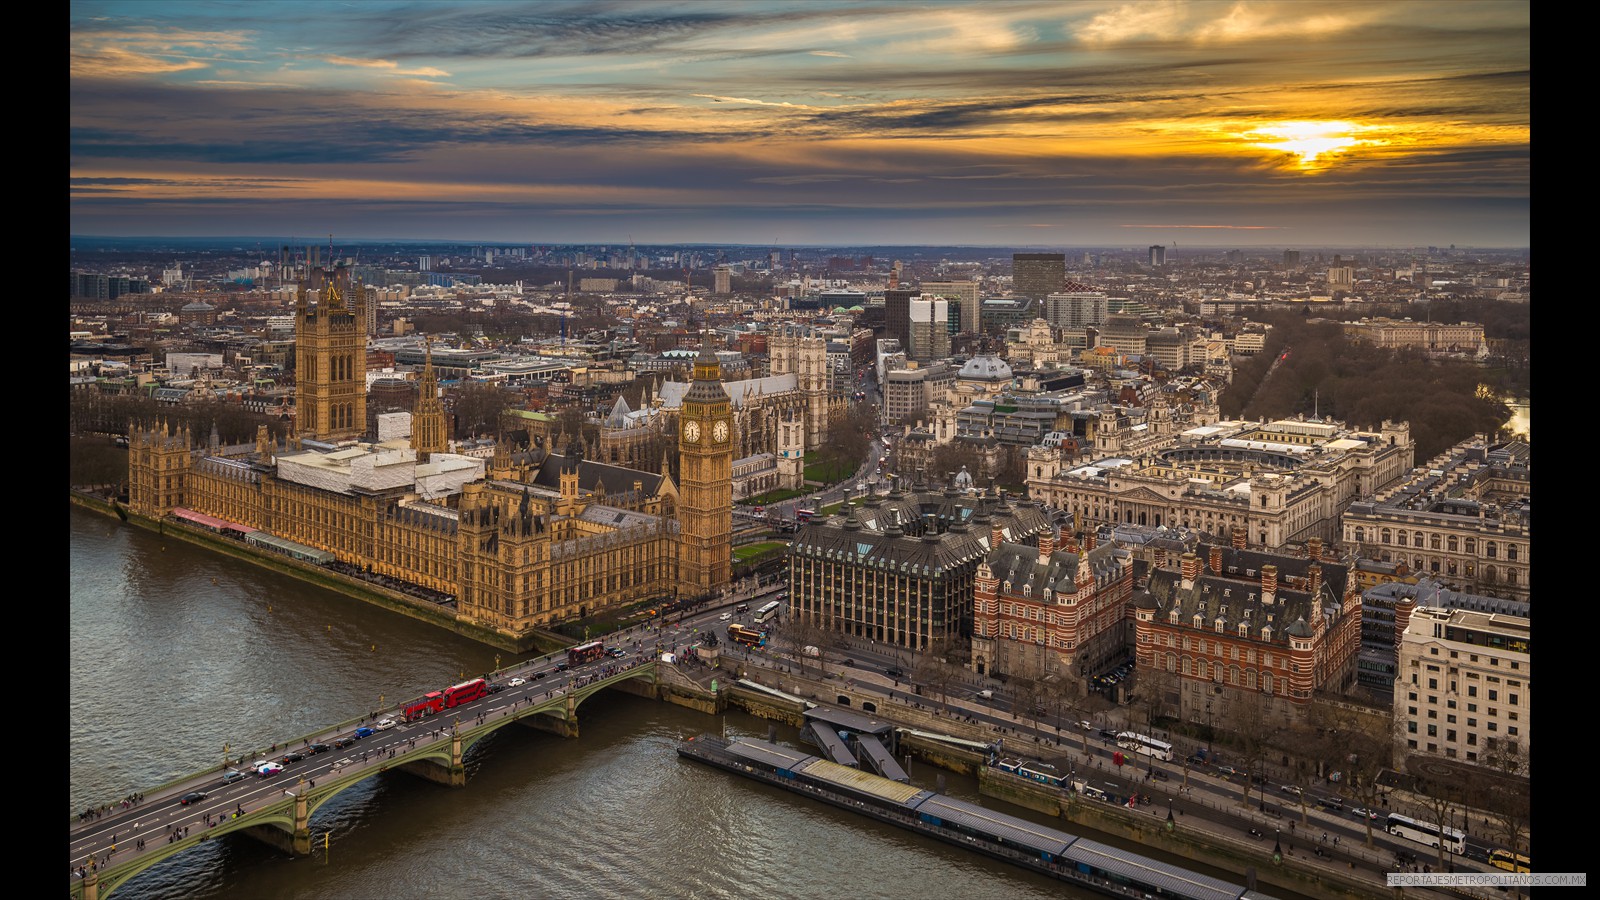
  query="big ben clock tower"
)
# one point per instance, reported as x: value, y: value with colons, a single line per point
x: 705, y: 489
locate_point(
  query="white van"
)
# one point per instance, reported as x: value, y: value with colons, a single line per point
x: 986, y: 695
x: 811, y: 651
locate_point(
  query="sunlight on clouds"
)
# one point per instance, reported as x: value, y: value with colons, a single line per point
x: 1313, y: 144
x: 1163, y: 20
x: 113, y: 54
x: 1240, y: 21
x: 387, y: 65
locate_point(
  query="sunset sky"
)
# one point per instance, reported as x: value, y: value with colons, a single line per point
x: 1055, y: 124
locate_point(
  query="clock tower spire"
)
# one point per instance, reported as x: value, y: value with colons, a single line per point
x: 705, y: 490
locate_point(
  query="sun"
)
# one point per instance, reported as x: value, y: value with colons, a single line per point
x: 1313, y: 144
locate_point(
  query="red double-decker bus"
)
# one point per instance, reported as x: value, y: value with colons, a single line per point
x: 465, y: 692
x: 583, y: 653
x: 431, y: 702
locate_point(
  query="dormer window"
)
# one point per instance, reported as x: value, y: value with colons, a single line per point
x: 1218, y: 624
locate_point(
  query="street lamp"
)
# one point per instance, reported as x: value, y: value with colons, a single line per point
x: 1277, y: 845
x: 1171, y: 824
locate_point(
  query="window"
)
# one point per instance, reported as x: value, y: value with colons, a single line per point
x: 1494, y: 695
x: 1472, y: 691
x: 1411, y: 728
x: 1450, y: 735
x: 1433, y: 731
x: 1510, y: 698
x: 1511, y: 730
x: 1411, y: 710
x: 1450, y: 719
x: 1433, y: 685
x: 1472, y: 707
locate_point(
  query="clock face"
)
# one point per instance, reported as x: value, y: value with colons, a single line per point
x: 720, y: 431
x: 691, y: 432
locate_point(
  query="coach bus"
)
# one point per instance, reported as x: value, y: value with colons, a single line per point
x: 1149, y: 746
x: 1424, y: 832
x: 767, y: 611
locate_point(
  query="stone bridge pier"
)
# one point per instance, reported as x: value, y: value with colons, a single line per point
x: 450, y: 774
x: 294, y: 840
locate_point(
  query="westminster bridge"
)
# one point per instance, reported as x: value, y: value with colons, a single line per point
x: 110, y: 846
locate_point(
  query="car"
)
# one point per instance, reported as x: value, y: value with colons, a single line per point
x: 232, y: 775
x: 1290, y: 789
x: 1331, y: 804
x: 496, y: 687
x: 538, y: 675
x: 385, y: 724
x: 894, y: 672
x: 318, y: 748
x: 1159, y: 775
x: 616, y: 653
x: 561, y: 667
x: 364, y: 731
x: 268, y: 769
x: 1258, y: 778
x: 849, y: 662
x: 1108, y: 733
x: 1086, y: 725
x: 724, y: 617
x: 519, y: 681
x: 1363, y: 812
x: 1227, y: 771
x: 293, y: 756
x: 341, y: 743
x: 192, y: 797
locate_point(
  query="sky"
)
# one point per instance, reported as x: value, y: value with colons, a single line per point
x: 812, y: 123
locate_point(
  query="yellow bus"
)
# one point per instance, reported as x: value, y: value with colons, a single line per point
x: 1511, y: 862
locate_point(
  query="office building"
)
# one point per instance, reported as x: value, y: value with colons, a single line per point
x: 899, y: 569
x: 1038, y: 275
x: 1464, y: 686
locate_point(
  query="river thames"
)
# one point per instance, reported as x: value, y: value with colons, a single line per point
x: 177, y: 652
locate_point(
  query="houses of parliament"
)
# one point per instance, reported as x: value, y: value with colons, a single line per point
x: 518, y: 547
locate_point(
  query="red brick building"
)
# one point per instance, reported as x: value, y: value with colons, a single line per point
x: 1040, y: 612
x: 1247, y: 627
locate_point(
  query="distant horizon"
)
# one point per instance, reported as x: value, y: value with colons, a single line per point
x: 1022, y: 123
x: 298, y: 241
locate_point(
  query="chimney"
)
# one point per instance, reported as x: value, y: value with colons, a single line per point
x: 1314, y: 572
x: 1314, y: 548
x: 1072, y: 542
x: 1047, y: 544
x: 1191, y: 569
x: 1216, y: 559
x: 1403, y: 608
x: 1161, y: 557
x: 1088, y: 541
x: 1269, y: 583
x: 1239, y: 533
x: 996, y: 536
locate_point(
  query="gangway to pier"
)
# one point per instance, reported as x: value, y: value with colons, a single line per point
x: 832, y: 746
x: 878, y: 757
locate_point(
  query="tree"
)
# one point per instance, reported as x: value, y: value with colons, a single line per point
x: 1441, y: 799
x: 478, y: 407
x: 1503, y: 794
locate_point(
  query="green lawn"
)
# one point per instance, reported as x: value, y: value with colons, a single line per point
x: 749, y: 550
x: 771, y: 497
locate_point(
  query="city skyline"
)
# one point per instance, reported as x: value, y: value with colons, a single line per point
x: 1203, y: 124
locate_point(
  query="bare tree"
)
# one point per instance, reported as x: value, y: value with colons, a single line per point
x: 1503, y: 793
x: 1254, y: 731
x: 1441, y: 800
